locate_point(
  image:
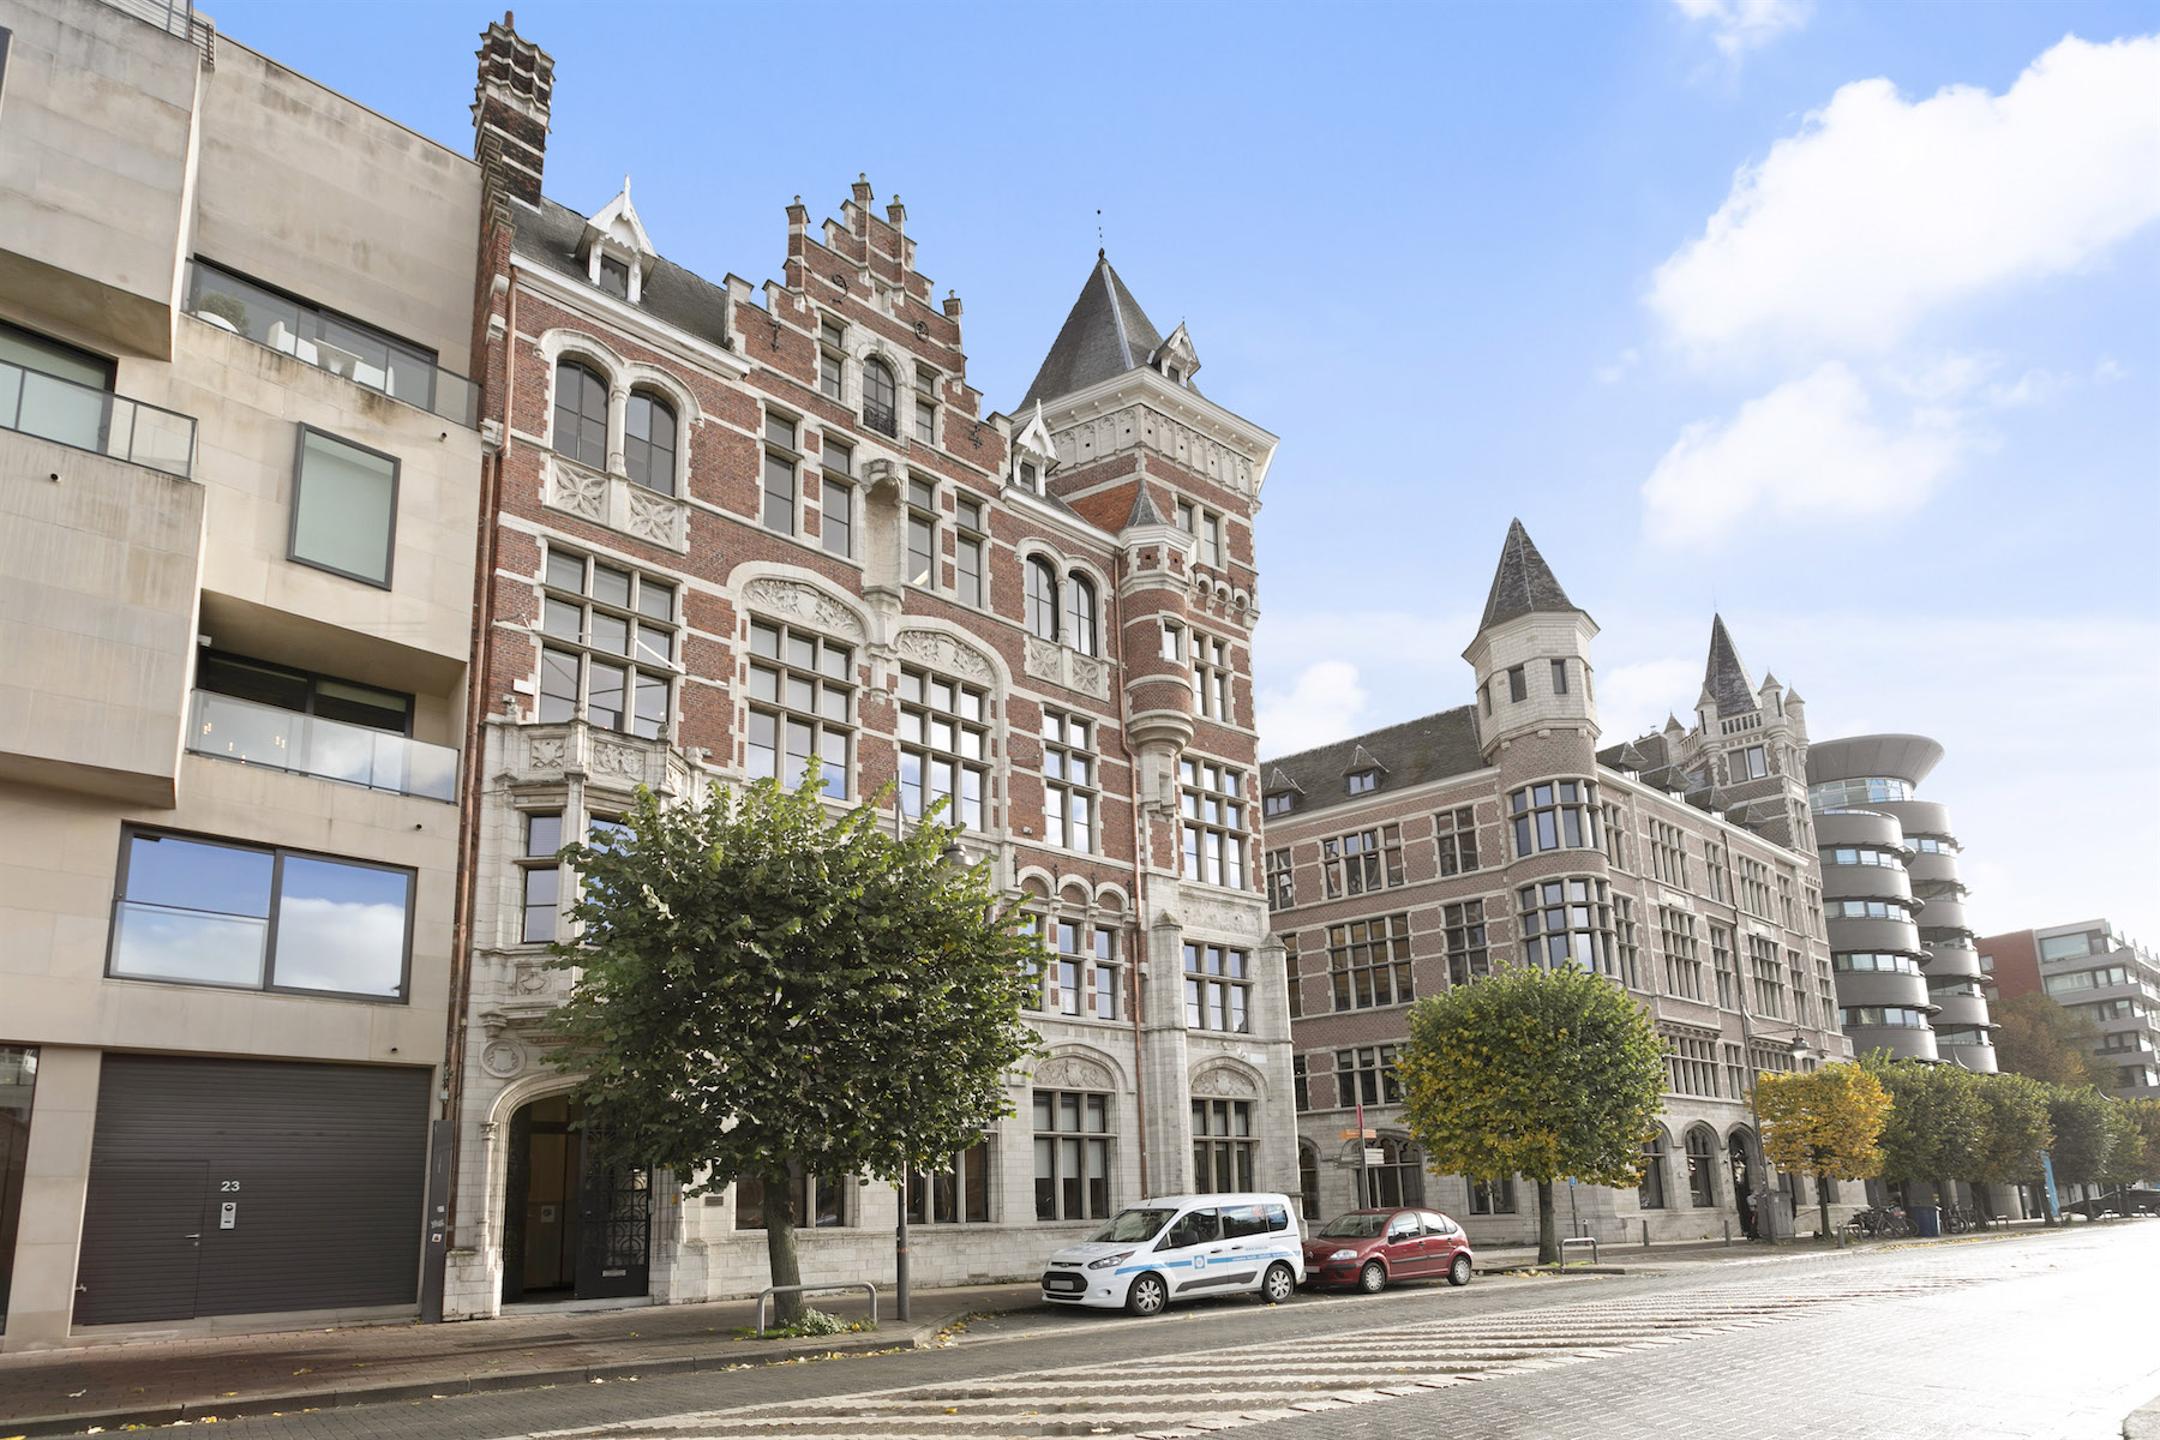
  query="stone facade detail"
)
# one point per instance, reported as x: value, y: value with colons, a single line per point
x: 1063, y: 665
x: 616, y: 502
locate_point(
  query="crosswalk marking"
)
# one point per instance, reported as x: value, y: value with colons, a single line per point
x: 1190, y: 1394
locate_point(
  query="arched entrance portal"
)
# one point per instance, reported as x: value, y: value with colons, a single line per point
x: 570, y: 1230
x: 1743, y: 1180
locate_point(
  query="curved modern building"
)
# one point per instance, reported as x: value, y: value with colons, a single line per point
x: 1902, y: 945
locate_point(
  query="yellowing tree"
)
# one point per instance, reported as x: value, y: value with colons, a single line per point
x: 1826, y: 1122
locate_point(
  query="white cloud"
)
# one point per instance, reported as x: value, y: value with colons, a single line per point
x: 1742, y: 25
x: 1621, y: 364
x: 1325, y: 703
x: 1810, y: 450
x: 1634, y: 699
x: 1881, y: 210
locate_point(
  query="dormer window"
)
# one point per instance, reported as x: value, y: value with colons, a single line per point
x: 614, y: 277
x: 1280, y: 804
x: 1363, y: 782
x: 1030, y: 478
x: 1176, y: 375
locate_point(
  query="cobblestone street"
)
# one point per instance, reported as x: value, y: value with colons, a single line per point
x: 2047, y: 1340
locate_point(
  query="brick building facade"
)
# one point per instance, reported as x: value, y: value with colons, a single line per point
x: 736, y: 531
x: 1420, y: 856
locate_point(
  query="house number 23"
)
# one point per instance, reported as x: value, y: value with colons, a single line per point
x: 228, y: 1186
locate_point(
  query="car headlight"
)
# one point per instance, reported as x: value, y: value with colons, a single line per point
x: 1343, y: 1255
x: 1108, y: 1260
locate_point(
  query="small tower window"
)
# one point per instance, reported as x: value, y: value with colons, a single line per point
x: 614, y: 277
x: 1559, y: 677
x: 1518, y: 684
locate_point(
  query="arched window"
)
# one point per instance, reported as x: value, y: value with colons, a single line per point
x: 880, y: 397
x: 1042, y: 599
x: 649, y: 442
x: 1650, y: 1194
x: 1080, y: 613
x: 580, y: 414
x: 1701, y: 1153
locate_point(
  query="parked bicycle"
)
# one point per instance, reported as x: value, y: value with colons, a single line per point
x: 1884, y: 1222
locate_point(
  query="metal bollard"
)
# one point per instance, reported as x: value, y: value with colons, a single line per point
x: 1728, y: 1232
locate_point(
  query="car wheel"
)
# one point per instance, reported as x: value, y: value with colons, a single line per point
x: 1147, y: 1296
x: 1459, y: 1272
x: 1279, y: 1285
x: 1373, y: 1278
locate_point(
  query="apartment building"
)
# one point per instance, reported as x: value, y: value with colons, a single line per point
x: 238, y: 517
x: 1909, y: 979
x: 739, y: 531
x: 1679, y: 864
x: 2095, y: 971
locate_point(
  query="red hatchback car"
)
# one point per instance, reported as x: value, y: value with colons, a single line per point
x: 1369, y: 1248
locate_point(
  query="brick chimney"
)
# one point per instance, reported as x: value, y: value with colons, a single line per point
x: 510, y: 113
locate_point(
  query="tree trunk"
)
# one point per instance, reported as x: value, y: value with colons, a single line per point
x: 1822, y: 1205
x: 1548, y: 1226
x: 780, y: 1255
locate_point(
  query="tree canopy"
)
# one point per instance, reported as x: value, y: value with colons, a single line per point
x: 1937, y: 1122
x: 1539, y: 1073
x: 1826, y: 1122
x: 764, y: 989
x: 2014, y: 1131
x: 2083, y: 1135
x: 2047, y: 1041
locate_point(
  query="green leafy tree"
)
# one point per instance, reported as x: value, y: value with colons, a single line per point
x: 1937, y: 1122
x: 1826, y: 1122
x: 765, y: 990
x: 2145, y: 1114
x: 2126, y: 1157
x: 1540, y: 1073
x: 2040, y: 1038
x: 2016, y: 1129
x: 2083, y: 1135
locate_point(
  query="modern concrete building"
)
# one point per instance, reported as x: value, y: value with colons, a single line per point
x: 238, y: 515
x: 2091, y: 969
x: 1680, y: 864
x: 735, y: 531
x: 1908, y: 977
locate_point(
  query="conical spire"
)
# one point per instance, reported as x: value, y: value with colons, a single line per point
x: 1143, y: 510
x: 1725, y: 679
x: 1523, y: 583
x: 1106, y: 334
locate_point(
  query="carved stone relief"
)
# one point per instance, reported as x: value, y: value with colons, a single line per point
x: 791, y: 599
x: 1074, y: 1072
x: 942, y: 652
x: 1225, y: 1081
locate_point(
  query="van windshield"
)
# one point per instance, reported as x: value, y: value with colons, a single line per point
x: 1354, y: 1226
x: 1130, y: 1227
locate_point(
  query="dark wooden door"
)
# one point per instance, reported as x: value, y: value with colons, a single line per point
x: 614, y: 1232
x: 142, y: 1242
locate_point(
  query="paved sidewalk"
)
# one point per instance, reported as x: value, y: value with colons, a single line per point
x: 59, y: 1392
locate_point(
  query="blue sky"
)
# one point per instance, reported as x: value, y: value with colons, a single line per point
x: 1841, y: 319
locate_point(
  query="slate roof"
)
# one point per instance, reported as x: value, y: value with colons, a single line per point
x: 1522, y: 583
x: 1431, y: 747
x: 1106, y: 334
x: 669, y: 293
x: 1725, y: 679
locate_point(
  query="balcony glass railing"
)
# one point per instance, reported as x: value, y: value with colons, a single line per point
x: 329, y: 341
x: 96, y: 420
x: 234, y: 729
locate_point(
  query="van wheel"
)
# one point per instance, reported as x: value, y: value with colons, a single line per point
x: 1147, y: 1296
x: 1459, y: 1272
x: 1279, y: 1285
x: 1373, y: 1278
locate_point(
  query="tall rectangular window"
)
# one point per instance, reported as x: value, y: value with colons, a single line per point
x: 838, y: 534
x: 1369, y: 963
x: 1691, y: 1065
x: 1218, y: 989
x: 1213, y: 799
x: 922, y: 530
x: 1683, y: 962
x: 800, y: 688
x: 1069, y: 796
x: 1072, y: 1155
x: 344, y: 508
x: 832, y: 361
x: 1518, y: 684
x: 1300, y: 1084
x: 971, y: 552
x: 1212, y: 678
x: 215, y: 912
x: 944, y: 748
x: 1721, y: 961
x: 1294, y: 977
x: 1624, y: 944
x: 1457, y: 838
x: 1768, y: 987
x: 1281, y: 882
x: 540, y: 877
x: 18, y: 1087
x: 925, y: 422
x: 1223, y: 1146
x: 1468, y: 958
x: 956, y: 1193
x: 782, y: 453
x: 1559, y: 677
x: 608, y: 649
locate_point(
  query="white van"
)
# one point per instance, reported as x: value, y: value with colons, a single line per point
x: 1178, y: 1246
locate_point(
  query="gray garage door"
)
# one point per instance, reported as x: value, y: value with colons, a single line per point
x: 323, y: 1165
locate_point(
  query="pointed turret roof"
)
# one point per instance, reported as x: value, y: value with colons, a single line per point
x: 1725, y: 679
x: 1143, y: 510
x: 1523, y: 583
x: 1106, y: 334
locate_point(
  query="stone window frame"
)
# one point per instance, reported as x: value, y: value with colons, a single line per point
x: 1218, y: 983
x: 978, y: 1159
x: 1376, y: 948
x: 1101, y: 1141
x: 843, y: 480
x: 621, y: 377
x: 1225, y: 839
x: 1683, y: 952
x: 1065, y: 750
x: 1469, y: 943
x: 971, y: 540
x: 774, y: 448
x: 1363, y: 862
x: 1535, y: 905
x: 1074, y: 598
x: 637, y: 668
x: 1226, y: 1145
x: 1214, y: 676
x: 1528, y: 807
x: 1281, y: 877
x: 927, y: 753
x: 787, y: 672
x: 1455, y: 840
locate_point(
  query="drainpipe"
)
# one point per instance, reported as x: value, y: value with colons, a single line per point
x: 1140, y: 879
